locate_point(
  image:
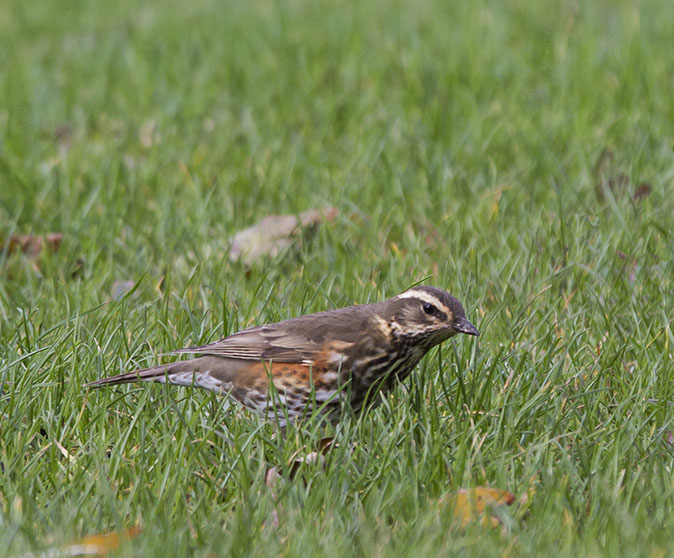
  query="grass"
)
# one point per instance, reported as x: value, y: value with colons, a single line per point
x: 460, y: 143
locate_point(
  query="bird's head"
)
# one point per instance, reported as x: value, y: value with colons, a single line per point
x: 428, y: 313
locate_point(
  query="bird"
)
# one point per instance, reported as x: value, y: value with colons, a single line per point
x: 317, y: 362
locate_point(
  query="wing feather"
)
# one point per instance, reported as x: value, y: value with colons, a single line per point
x: 261, y: 343
x: 298, y: 340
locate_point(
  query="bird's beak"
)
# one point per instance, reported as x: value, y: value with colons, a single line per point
x: 464, y: 326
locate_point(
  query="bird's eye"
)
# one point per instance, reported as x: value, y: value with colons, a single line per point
x: 429, y: 308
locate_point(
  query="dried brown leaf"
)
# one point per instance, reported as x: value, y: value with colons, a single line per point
x: 600, y: 172
x: 316, y: 456
x: 630, y: 264
x: 148, y: 135
x: 608, y: 178
x: 274, y: 234
x: 643, y: 191
x: 30, y: 244
x: 63, y: 134
x: 270, y: 478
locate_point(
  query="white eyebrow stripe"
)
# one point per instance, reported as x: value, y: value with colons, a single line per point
x: 425, y: 297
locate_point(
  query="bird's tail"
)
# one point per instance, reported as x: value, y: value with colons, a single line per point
x: 154, y: 374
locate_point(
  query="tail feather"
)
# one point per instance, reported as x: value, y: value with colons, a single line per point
x: 208, y: 372
x: 154, y: 374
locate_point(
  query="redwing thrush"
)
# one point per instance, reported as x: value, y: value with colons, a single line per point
x: 316, y: 361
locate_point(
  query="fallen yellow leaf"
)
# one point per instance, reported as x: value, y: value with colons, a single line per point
x: 99, y: 544
x: 473, y: 504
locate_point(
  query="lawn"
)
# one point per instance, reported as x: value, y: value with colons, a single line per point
x: 519, y: 154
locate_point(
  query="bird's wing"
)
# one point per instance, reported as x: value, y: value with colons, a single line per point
x: 298, y: 340
x: 270, y: 342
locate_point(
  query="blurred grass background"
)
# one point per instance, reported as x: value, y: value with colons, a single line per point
x: 517, y: 154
